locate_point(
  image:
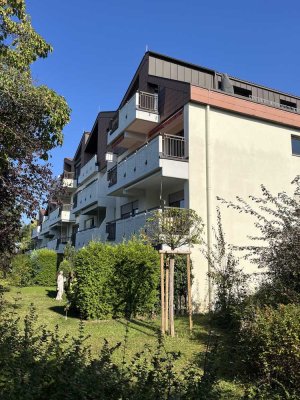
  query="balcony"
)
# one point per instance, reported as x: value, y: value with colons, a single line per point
x: 88, y: 170
x: 45, y: 226
x: 61, y: 243
x: 56, y: 217
x: 61, y: 214
x: 52, y: 244
x: 138, y: 116
x: 68, y: 180
x: 92, y: 196
x: 92, y: 234
x: 121, y: 229
x: 35, y: 232
x: 165, y: 155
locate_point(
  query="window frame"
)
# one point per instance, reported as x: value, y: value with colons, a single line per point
x: 295, y: 138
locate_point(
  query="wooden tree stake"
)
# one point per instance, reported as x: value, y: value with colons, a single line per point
x: 171, y: 297
x: 162, y: 293
x: 188, y: 267
x: 167, y: 300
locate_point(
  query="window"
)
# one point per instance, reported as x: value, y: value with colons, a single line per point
x: 287, y: 104
x: 242, y: 92
x: 89, y: 223
x: 129, y: 209
x: 177, y: 199
x: 296, y: 145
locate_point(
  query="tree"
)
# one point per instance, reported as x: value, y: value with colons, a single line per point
x: 229, y: 281
x: 277, y: 248
x: 175, y: 228
x: 31, y: 122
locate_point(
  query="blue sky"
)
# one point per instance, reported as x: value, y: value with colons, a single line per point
x: 99, y: 44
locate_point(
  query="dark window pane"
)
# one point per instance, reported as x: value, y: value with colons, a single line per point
x: 296, y: 145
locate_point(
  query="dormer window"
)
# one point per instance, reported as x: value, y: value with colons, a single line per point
x: 242, y: 91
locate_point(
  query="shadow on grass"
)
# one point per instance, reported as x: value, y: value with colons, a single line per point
x: 51, y: 293
x: 135, y: 324
x: 60, y: 309
x: 4, y: 289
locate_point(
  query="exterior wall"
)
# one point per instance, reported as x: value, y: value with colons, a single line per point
x: 231, y: 155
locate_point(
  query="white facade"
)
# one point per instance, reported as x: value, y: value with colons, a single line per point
x: 208, y: 144
x: 229, y: 156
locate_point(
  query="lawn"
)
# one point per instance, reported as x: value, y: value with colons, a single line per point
x: 140, y: 332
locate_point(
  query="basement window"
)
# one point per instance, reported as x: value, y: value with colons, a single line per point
x: 288, y: 105
x: 242, y: 92
x: 296, y: 145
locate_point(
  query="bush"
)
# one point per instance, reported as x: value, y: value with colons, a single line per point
x: 92, y: 293
x: 135, y: 278
x: 21, y: 270
x: 115, y: 280
x: 43, y: 263
x: 270, y: 347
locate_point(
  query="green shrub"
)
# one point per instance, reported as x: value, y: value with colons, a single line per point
x: 21, y: 270
x: 270, y: 347
x: 116, y: 280
x: 92, y: 295
x: 135, y: 278
x: 43, y: 263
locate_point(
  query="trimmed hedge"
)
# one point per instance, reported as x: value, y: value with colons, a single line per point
x: 44, y: 263
x: 135, y: 278
x: 92, y: 289
x: 115, y: 281
x: 21, y: 270
x: 37, y: 268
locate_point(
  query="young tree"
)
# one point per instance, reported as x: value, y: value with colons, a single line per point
x: 228, y: 279
x: 31, y: 122
x: 175, y: 228
x: 278, y: 220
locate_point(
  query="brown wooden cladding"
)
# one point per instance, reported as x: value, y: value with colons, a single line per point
x: 177, y: 72
x: 262, y: 92
x: 104, y: 119
x: 172, y: 95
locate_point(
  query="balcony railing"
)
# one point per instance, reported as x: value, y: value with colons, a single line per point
x: 274, y: 104
x: 114, y: 123
x: 84, y: 236
x: 112, y: 176
x: 146, y: 158
x: 173, y: 147
x: 36, y: 231
x: 125, y: 228
x: 88, y: 169
x: 139, y: 114
x: 69, y: 175
x: 111, y: 231
x: 148, y: 102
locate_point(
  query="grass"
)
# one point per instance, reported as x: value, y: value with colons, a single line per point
x: 140, y: 332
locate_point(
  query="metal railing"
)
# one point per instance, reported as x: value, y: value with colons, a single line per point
x: 63, y: 240
x: 148, y: 102
x: 111, y: 230
x: 173, y: 146
x: 112, y: 176
x: 69, y: 175
x: 66, y: 207
x: 114, y: 123
x: 273, y: 104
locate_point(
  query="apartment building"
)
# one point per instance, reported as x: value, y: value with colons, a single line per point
x: 182, y: 136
